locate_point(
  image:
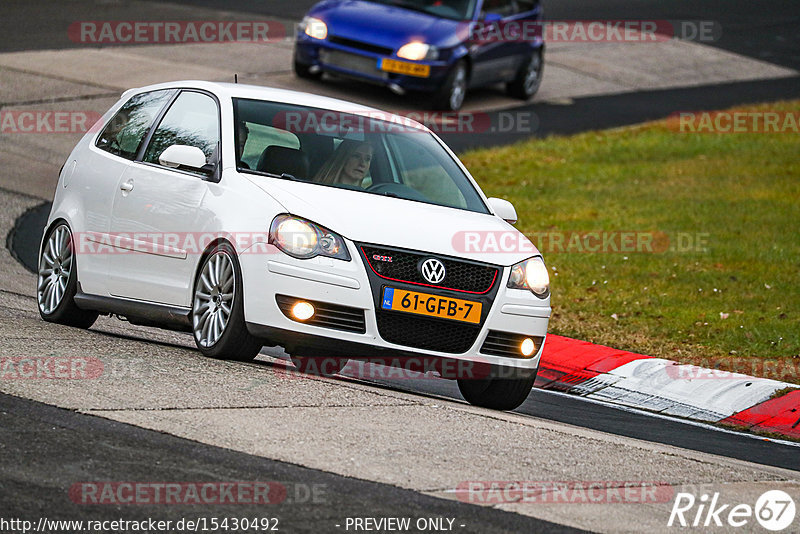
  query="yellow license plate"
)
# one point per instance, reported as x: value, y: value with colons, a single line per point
x: 401, y: 67
x: 431, y: 305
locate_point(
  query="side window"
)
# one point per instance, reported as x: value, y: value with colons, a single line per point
x: 419, y: 170
x: 193, y: 120
x: 123, y: 134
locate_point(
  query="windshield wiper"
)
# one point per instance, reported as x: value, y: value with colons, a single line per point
x: 283, y: 175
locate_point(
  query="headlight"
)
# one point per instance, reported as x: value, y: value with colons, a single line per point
x: 314, y: 27
x: 305, y: 240
x: 531, y: 274
x: 417, y: 51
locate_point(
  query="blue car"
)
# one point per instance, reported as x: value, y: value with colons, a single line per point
x: 438, y: 47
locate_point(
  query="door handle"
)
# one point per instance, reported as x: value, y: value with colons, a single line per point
x: 127, y: 187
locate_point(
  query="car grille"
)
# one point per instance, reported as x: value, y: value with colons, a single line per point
x: 360, y: 45
x: 425, y: 333
x: 345, y: 60
x: 507, y: 344
x: 327, y: 315
x: 461, y: 276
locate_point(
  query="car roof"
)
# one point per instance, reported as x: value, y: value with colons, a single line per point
x: 286, y: 96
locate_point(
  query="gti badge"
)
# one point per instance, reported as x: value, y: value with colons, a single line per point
x: 432, y: 270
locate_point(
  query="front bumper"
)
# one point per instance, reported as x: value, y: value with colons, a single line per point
x: 349, y: 284
x: 363, y: 65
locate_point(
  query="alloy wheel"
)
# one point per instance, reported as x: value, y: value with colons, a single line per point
x: 213, y: 299
x: 532, y: 74
x: 55, y: 267
x: 459, y: 88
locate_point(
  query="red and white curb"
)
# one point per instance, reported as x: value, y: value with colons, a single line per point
x: 667, y: 387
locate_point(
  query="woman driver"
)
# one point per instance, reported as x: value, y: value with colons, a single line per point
x: 348, y: 165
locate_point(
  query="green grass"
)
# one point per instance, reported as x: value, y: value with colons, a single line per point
x: 740, y: 193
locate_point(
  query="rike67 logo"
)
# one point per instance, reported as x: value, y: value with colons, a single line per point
x: 774, y: 510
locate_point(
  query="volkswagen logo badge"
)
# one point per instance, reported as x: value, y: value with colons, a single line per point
x: 432, y: 270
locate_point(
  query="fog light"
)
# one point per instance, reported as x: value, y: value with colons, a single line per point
x: 303, y: 310
x: 528, y: 347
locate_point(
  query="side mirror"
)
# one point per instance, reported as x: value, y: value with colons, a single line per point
x: 503, y: 209
x: 177, y: 156
x: 492, y: 17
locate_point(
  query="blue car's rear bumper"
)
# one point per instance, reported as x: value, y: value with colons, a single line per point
x: 364, y: 65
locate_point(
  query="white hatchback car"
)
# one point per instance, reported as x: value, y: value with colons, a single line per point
x: 252, y: 216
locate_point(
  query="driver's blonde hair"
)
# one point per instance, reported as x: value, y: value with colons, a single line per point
x: 331, y: 171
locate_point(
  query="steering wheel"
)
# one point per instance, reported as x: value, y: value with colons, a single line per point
x: 381, y: 188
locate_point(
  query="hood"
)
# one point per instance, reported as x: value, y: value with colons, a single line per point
x: 385, y: 25
x: 395, y: 222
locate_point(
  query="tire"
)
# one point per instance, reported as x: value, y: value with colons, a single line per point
x: 304, y: 71
x: 496, y: 393
x: 528, y: 79
x: 57, y: 281
x: 317, y: 365
x: 451, y: 95
x: 219, y: 330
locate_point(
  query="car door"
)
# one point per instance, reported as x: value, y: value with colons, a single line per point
x: 498, y: 49
x: 158, y: 210
x: 97, y: 174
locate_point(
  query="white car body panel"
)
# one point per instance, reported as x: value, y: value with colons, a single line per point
x: 162, y: 202
x: 165, y: 200
x: 393, y: 222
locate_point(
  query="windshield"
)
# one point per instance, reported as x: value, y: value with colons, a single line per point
x: 372, y: 155
x: 448, y: 9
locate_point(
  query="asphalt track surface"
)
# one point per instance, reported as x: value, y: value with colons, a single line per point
x: 611, y: 111
x: 542, y: 404
x: 46, y: 449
